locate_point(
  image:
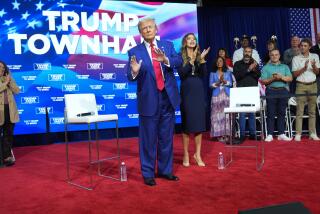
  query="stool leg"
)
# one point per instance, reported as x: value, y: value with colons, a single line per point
x: 98, y: 148
x: 67, y: 152
x: 118, y: 148
x: 90, y: 156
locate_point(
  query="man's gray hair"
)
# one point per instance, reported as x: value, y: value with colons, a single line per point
x: 145, y: 20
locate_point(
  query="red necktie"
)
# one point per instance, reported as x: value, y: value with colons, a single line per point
x: 157, y: 69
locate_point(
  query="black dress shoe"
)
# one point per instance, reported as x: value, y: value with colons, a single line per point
x: 169, y: 177
x: 234, y: 142
x: 149, y: 181
x: 9, y: 163
x: 252, y: 137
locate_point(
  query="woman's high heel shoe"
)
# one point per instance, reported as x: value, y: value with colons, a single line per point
x: 198, y: 161
x: 185, y: 162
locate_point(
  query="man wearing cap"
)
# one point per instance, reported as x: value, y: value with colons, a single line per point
x: 238, y: 54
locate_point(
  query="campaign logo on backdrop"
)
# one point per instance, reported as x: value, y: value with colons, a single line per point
x: 31, y: 122
x: 83, y: 76
x: 41, y: 66
x: 14, y: 67
x: 101, y: 107
x: 56, y: 77
x: 30, y: 100
x: 130, y: 96
x: 122, y: 65
x: 43, y: 88
x: 121, y: 106
x: 21, y: 87
x: 108, y: 96
x: 107, y: 76
x: 120, y: 86
x: 69, y: 66
x: 70, y: 87
x: 94, y: 65
x: 42, y: 110
x: 57, y: 99
x: 95, y: 87
x: 133, y: 116
x: 29, y: 78
x: 57, y: 120
x: 177, y: 113
x: 20, y: 111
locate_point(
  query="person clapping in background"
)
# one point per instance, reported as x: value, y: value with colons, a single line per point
x: 8, y: 112
x: 221, y: 81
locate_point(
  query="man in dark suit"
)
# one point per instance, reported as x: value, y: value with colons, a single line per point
x: 151, y: 65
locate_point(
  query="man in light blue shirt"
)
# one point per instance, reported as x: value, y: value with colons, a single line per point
x: 276, y: 77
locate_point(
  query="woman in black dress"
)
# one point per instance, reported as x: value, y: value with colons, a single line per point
x: 192, y: 107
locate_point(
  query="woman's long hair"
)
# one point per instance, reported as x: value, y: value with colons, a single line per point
x: 6, y: 69
x: 184, y: 52
x: 224, y: 67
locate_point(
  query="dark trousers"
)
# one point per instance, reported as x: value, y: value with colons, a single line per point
x: 6, y: 134
x: 276, y: 107
x: 156, y: 139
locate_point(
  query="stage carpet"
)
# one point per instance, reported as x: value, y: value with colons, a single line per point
x: 37, y: 182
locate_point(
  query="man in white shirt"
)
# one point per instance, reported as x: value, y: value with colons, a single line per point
x: 238, y: 54
x: 305, y: 67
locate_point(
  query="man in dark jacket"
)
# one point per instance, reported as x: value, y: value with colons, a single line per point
x: 247, y: 73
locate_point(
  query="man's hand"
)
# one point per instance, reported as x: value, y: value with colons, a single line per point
x: 313, y: 64
x: 135, y: 66
x: 306, y: 65
x: 277, y: 76
x: 252, y: 66
x: 161, y: 57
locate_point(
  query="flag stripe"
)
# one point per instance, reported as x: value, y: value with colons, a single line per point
x: 312, y: 23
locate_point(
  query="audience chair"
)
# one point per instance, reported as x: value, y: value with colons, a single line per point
x: 82, y: 109
x: 287, y: 129
x: 245, y: 100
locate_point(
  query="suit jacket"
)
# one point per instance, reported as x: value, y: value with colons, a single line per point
x: 12, y: 89
x: 214, y: 77
x: 147, y: 92
x: 315, y: 49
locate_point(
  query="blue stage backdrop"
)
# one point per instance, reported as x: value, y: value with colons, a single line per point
x: 79, y: 46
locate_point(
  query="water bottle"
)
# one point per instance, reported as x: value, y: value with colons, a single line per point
x: 220, y: 161
x: 123, y: 172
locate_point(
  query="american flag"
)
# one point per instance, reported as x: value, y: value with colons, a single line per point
x: 304, y: 22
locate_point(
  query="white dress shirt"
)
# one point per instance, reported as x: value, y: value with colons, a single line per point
x: 299, y: 61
